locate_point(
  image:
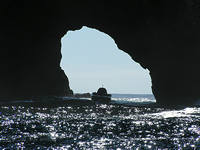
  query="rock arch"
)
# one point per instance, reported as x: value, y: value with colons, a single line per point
x: 161, y: 35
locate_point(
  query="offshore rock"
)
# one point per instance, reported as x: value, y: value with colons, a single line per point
x: 162, y: 35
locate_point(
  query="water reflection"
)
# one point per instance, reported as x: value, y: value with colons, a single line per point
x: 99, y: 127
x: 187, y: 112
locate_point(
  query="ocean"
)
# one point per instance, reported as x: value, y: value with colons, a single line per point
x: 129, y: 122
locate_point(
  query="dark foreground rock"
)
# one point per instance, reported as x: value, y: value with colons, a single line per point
x: 162, y: 35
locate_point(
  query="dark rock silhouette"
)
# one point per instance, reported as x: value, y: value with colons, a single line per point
x: 162, y: 35
x: 82, y: 95
x: 101, y: 96
x: 102, y: 91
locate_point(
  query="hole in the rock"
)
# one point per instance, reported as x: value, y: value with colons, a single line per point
x: 91, y: 58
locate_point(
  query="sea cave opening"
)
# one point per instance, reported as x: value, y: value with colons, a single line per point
x: 91, y: 59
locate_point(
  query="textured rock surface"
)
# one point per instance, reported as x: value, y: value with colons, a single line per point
x: 162, y: 35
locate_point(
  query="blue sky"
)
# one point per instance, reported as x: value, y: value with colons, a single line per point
x: 91, y: 58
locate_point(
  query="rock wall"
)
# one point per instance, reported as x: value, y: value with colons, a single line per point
x: 162, y: 35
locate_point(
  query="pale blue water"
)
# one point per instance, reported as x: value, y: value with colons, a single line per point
x: 121, y: 126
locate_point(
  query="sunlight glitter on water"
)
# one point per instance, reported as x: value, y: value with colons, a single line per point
x: 132, y: 101
x: 187, y: 112
x: 98, y: 127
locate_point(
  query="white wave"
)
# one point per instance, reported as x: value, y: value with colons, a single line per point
x: 178, y: 113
